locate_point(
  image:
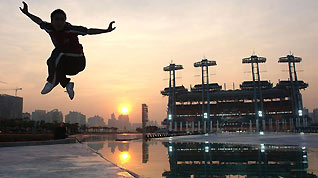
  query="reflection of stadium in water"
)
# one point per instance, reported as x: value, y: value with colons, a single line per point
x: 221, y: 160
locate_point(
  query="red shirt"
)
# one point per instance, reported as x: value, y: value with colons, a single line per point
x: 66, y: 39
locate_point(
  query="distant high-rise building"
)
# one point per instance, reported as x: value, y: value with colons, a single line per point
x: 113, y: 122
x: 144, y: 119
x: 96, y: 121
x: 123, y: 123
x: 54, y: 116
x: 75, y: 117
x: 10, y: 107
x: 39, y: 115
x: 315, y: 115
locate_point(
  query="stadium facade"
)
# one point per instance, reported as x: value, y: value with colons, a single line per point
x: 256, y: 105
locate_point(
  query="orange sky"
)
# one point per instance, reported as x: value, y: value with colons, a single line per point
x: 125, y: 66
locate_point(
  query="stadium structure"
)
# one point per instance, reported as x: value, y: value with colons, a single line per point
x: 257, y: 105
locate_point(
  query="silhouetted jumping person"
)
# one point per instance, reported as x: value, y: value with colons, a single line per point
x: 68, y: 57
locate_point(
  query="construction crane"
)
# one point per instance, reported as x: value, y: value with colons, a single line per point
x: 16, y: 90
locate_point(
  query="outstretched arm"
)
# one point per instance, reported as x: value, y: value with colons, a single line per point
x: 94, y: 31
x: 31, y: 16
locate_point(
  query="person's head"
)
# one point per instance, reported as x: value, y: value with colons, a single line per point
x: 58, y: 19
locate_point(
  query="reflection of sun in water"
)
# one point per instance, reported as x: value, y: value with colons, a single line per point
x: 124, y: 110
x: 124, y: 157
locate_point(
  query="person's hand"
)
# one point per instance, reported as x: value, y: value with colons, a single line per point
x: 25, y: 8
x: 110, y: 27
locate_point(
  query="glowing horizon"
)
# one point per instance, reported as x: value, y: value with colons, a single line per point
x: 125, y: 67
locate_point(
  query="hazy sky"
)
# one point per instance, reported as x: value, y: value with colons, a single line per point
x: 125, y: 67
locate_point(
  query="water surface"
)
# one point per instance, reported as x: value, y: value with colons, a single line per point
x: 166, y: 158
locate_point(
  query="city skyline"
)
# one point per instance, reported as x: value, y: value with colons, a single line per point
x: 64, y: 116
x: 152, y: 34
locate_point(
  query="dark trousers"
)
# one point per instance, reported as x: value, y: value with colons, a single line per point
x: 62, y: 63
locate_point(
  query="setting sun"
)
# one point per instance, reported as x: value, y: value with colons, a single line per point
x: 124, y: 110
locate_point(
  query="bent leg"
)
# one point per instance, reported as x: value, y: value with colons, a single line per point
x: 51, y: 63
x: 70, y: 64
x: 74, y: 63
x: 60, y: 74
x: 61, y: 64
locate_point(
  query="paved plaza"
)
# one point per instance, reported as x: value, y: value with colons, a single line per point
x: 60, y: 160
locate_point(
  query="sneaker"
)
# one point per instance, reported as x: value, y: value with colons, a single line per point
x: 47, y: 88
x: 69, y: 89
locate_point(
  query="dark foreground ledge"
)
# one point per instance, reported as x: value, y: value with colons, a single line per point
x: 33, y: 143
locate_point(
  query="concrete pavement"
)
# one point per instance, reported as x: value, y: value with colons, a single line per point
x: 61, y: 160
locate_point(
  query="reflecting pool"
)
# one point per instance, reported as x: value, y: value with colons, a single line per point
x: 166, y: 158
